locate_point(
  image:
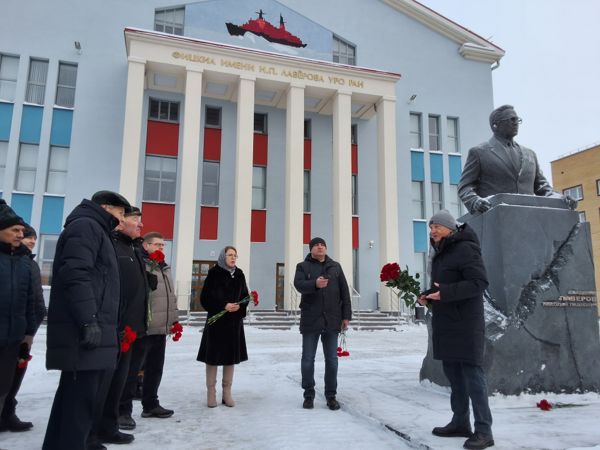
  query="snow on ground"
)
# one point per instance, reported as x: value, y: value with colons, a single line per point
x: 378, y: 388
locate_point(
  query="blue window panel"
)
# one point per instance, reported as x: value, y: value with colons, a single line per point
x: 22, y: 204
x: 417, y: 166
x: 436, y: 166
x: 6, y: 110
x: 31, y: 124
x: 420, y: 236
x: 52, y: 215
x: 62, y: 121
x: 455, y: 168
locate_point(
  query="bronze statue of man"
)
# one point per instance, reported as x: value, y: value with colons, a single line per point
x: 501, y: 165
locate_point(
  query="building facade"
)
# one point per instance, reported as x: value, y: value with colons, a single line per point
x: 578, y: 174
x: 254, y: 123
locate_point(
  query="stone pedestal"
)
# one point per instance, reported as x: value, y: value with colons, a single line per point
x: 541, y: 312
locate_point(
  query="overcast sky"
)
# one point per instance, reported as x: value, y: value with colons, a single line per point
x: 551, y: 70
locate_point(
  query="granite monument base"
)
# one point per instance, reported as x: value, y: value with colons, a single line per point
x: 540, y: 306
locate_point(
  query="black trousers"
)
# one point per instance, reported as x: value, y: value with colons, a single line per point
x: 10, y: 403
x: 73, y: 409
x: 106, y: 423
x: 149, y: 353
x: 8, y: 360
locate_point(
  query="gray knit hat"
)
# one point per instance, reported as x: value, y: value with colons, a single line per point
x: 443, y: 218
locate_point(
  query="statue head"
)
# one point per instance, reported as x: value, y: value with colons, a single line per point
x: 504, y: 122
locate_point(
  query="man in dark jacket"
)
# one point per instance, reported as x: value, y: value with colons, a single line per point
x: 459, y: 279
x: 132, y: 314
x: 82, y: 337
x: 325, y: 309
x: 17, y: 310
x: 9, y: 421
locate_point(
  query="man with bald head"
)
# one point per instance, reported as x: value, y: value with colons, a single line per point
x: 501, y: 165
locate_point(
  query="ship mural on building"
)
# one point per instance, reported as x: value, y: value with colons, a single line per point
x: 265, y: 29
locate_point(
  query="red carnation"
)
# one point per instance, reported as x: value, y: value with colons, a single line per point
x: 22, y: 363
x: 128, y: 337
x: 389, y: 272
x: 544, y: 405
x: 254, y: 295
x: 157, y: 256
x: 176, y: 330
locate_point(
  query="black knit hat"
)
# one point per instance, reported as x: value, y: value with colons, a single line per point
x: 8, y: 217
x: 29, y: 231
x: 111, y: 198
x: 316, y: 240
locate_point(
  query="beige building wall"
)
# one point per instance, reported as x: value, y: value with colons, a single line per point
x: 583, y: 169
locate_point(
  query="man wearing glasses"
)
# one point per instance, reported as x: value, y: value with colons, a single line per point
x: 501, y: 165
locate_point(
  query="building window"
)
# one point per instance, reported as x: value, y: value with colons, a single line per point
x: 455, y: 204
x: 3, y: 158
x: 47, y: 251
x: 169, y: 20
x: 65, y: 87
x: 452, y: 130
x: 9, y: 67
x: 354, y: 194
x: 57, y: 170
x: 581, y: 216
x: 598, y: 187
x: 415, y: 131
x: 436, y: 197
x: 307, y: 191
x: 307, y: 129
x: 418, y: 200
x: 434, y: 133
x: 259, y: 187
x: 576, y: 192
x: 355, y: 271
x: 354, y: 134
x: 164, y: 110
x: 36, y: 83
x: 260, y: 123
x: 420, y: 268
x: 160, y: 177
x: 27, y: 168
x: 343, y: 52
x: 213, y: 117
x: 210, y: 183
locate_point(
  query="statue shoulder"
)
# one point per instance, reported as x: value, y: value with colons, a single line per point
x: 483, y: 147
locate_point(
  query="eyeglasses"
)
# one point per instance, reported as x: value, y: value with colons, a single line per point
x: 231, y: 255
x: 158, y: 244
x: 512, y: 120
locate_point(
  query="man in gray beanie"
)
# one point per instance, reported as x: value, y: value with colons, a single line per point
x: 458, y: 280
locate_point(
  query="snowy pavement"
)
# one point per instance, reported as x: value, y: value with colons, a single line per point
x: 383, y: 404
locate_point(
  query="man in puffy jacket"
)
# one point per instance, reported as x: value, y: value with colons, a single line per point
x: 325, y: 309
x: 83, y: 313
x: 459, y: 279
x: 149, y: 351
x: 17, y: 309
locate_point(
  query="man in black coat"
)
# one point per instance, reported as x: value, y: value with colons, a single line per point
x: 325, y: 308
x: 132, y: 313
x: 458, y: 280
x: 17, y: 310
x: 83, y: 312
x: 9, y: 421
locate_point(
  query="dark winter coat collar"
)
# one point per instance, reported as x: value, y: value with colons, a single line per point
x: 463, y: 233
x: 9, y: 250
x: 310, y: 259
x: 88, y: 209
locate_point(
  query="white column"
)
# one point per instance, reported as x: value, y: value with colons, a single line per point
x: 132, y: 129
x: 294, y: 182
x: 342, y: 183
x: 242, y: 208
x: 389, y: 249
x: 186, y: 210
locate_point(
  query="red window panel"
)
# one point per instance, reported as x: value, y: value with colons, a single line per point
x: 158, y: 217
x: 307, y: 223
x: 355, y: 232
x: 354, y: 159
x: 212, y: 144
x: 261, y: 144
x: 162, y: 138
x: 209, y: 222
x: 258, y: 229
x: 307, y: 154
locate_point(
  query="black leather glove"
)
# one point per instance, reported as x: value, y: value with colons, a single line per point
x: 152, y: 280
x: 482, y: 205
x: 91, y: 335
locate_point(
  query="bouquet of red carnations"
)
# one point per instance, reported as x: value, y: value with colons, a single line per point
x: 252, y: 297
x: 342, y: 349
x: 176, y: 330
x: 128, y: 337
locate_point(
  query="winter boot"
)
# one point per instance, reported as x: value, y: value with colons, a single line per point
x: 452, y: 430
x: 211, y: 386
x: 479, y: 441
x: 227, y: 382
